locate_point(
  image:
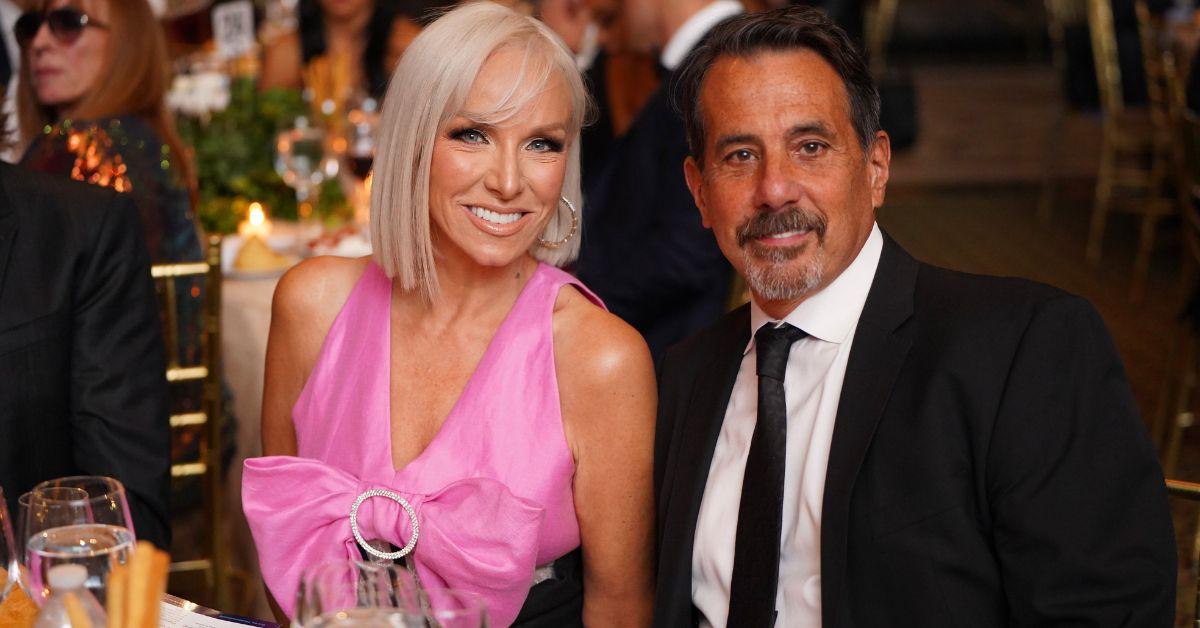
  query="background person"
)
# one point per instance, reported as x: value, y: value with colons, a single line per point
x: 372, y: 34
x: 92, y: 104
x: 645, y: 252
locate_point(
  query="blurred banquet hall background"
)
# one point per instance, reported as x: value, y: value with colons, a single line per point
x: 1054, y: 140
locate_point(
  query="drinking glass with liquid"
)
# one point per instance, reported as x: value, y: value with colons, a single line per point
x: 81, y: 520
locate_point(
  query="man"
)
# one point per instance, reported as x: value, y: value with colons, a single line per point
x: 875, y: 441
x: 644, y: 250
x: 83, y: 388
x: 577, y: 23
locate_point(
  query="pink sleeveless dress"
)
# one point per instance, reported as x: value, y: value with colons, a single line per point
x: 491, y: 493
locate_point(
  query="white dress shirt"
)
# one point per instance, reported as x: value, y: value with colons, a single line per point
x: 694, y: 29
x: 812, y: 388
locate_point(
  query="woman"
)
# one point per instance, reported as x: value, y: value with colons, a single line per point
x: 457, y: 368
x: 371, y: 34
x: 92, y: 105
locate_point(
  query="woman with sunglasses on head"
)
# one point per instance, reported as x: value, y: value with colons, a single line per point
x: 91, y: 105
x: 91, y: 101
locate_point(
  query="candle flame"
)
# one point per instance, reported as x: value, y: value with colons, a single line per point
x: 257, y: 216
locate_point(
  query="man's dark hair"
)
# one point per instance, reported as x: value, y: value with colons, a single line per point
x: 792, y: 28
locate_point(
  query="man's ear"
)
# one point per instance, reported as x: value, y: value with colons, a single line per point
x: 695, y: 182
x: 879, y: 159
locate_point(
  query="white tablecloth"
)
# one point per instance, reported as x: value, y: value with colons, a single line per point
x: 245, y: 320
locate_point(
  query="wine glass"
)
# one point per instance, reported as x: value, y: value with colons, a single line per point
x: 355, y: 593
x: 450, y: 608
x: 363, y: 122
x: 95, y: 531
x: 302, y: 162
x: 8, y: 551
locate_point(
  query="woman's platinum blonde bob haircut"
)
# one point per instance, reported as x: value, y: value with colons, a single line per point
x: 427, y: 89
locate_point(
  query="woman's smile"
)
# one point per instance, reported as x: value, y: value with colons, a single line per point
x: 498, y: 221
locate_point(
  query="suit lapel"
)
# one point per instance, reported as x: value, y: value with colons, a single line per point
x: 8, y: 228
x: 881, y: 342
x: 695, y: 439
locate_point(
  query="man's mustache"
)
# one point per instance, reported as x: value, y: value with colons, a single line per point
x: 788, y: 219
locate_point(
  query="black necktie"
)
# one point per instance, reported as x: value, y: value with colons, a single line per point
x: 760, y: 515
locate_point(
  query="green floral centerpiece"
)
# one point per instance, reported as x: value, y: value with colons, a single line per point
x: 234, y: 152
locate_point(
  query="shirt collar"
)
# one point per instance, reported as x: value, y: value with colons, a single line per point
x: 833, y: 312
x: 589, y: 47
x: 694, y: 29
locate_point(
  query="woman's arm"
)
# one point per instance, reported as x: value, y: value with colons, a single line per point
x: 307, y: 300
x: 281, y: 64
x: 606, y: 381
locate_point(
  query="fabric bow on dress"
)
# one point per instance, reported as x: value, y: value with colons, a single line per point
x: 474, y: 535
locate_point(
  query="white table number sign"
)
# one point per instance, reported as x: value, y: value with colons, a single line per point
x: 233, y: 28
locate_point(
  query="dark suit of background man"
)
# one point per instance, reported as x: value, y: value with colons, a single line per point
x: 875, y: 441
x: 644, y: 250
x: 82, y: 384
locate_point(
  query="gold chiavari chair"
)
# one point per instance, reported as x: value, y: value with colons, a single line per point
x: 207, y: 420
x: 1191, y: 492
x: 878, y: 22
x: 1060, y: 16
x: 1177, y: 398
x: 1135, y: 153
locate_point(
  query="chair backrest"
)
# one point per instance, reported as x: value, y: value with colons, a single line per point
x: 1187, y: 182
x: 1104, y: 55
x: 879, y: 18
x: 1061, y: 15
x: 1152, y: 64
x: 200, y: 424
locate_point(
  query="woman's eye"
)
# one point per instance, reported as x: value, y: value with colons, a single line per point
x: 470, y: 136
x: 543, y: 145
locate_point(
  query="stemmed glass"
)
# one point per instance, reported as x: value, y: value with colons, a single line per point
x: 363, y: 123
x: 302, y: 162
x: 8, y: 551
x: 354, y: 593
x: 82, y: 520
x: 450, y: 608
x: 55, y: 503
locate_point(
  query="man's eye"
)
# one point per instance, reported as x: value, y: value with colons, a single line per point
x: 740, y: 155
x: 812, y: 148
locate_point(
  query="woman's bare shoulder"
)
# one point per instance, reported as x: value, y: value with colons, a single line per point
x: 600, y: 348
x: 316, y: 289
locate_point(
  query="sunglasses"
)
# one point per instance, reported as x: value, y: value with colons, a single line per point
x: 66, y: 25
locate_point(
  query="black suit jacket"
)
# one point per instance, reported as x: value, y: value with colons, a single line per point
x: 82, y: 384
x: 644, y: 250
x: 988, y: 466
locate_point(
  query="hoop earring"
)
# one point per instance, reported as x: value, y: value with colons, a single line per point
x: 571, y: 233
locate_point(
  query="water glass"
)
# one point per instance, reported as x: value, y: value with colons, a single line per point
x: 354, y: 593
x: 79, y: 520
x: 303, y: 163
